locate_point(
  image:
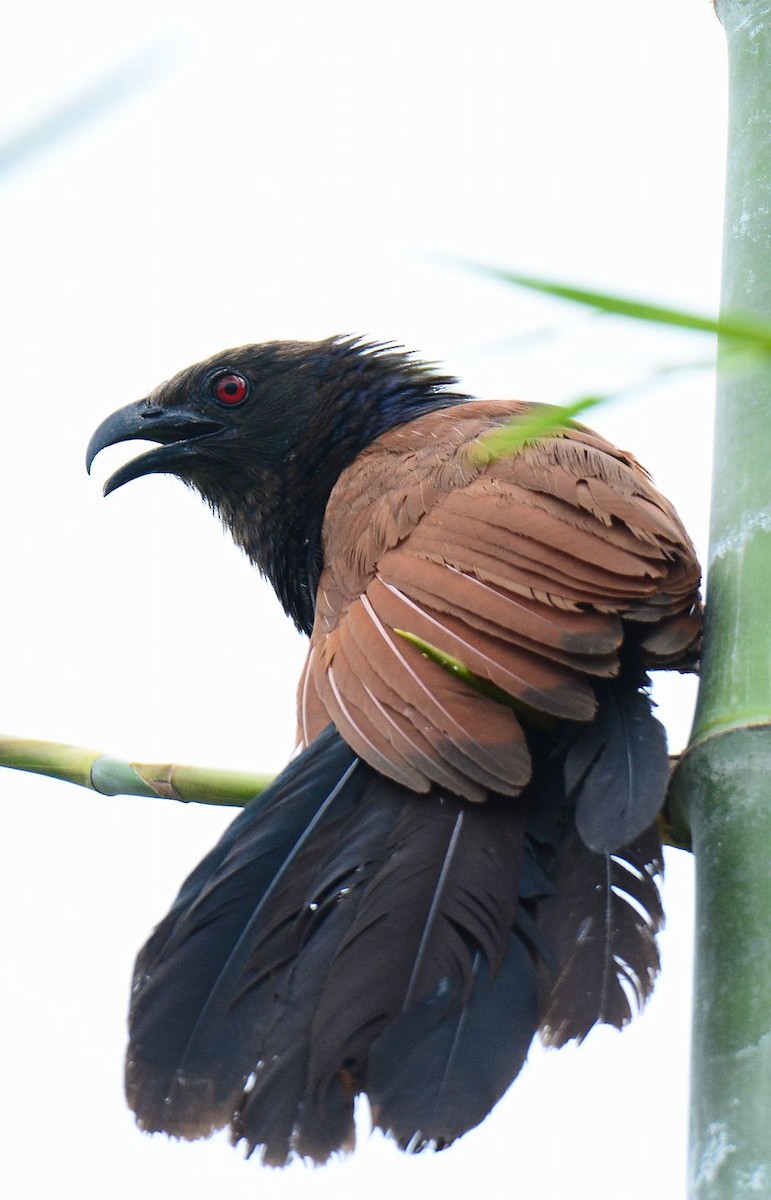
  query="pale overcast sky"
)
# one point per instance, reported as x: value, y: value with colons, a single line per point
x: 300, y: 169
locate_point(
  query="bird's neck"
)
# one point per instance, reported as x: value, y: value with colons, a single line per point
x: 277, y: 517
x: 279, y: 529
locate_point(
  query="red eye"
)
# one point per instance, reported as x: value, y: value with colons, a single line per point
x: 230, y: 388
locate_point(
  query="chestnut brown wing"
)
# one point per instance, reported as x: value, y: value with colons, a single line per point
x: 531, y: 571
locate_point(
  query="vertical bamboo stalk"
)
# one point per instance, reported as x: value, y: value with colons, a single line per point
x: 724, y: 781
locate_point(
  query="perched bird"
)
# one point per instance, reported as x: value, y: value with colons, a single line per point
x: 464, y: 852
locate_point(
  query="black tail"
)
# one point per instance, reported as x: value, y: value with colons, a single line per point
x: 347, y: 936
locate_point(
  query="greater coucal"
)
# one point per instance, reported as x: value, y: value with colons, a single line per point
x: 464, y: 853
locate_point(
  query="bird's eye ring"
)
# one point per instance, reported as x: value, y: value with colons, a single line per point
x: 230, y: 388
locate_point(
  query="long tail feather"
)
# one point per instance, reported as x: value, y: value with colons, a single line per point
x: 182, y: 1019
x: 348, y: 936
x: 601, y: 924
x: 341, y: 922
x: 440, y: 1069
x: 618, y: 767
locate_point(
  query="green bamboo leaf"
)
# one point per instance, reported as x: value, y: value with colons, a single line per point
x: 126, y: 79
x: 540, y: 422
x: 456, y: 667
x: 740, y: 327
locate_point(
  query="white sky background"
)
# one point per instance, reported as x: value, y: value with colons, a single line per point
x: 296, y: 170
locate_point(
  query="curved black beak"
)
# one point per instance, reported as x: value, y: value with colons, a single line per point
x: 178, y: 430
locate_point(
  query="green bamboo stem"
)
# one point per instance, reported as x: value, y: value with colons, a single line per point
x: 115, y: 777
x: 722, y: 786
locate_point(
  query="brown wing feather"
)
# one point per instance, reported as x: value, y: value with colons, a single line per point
x: 533, y: 678
x: 481, y: 744
x: 530, y: 570
x: 552, y: 632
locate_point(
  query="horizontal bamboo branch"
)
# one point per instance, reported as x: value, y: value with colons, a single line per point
x: 172, y: 781
x: 116, y: 777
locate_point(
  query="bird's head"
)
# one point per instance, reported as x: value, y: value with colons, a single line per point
x: 263, y: 433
